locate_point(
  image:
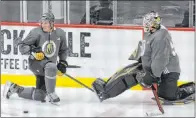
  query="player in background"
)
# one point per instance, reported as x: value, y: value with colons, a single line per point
x: 157, y: 63
x: 100, y: 14
x: 45, y: 44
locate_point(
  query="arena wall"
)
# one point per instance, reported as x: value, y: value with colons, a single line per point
x: 99, y: 50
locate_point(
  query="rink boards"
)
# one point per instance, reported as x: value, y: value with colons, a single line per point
x: 99, y: 50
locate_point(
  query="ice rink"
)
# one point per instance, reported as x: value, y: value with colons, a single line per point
x: 77, y: 102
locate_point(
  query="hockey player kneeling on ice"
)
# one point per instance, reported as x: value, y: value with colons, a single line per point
x: 44, y: 44
x: 157, y: 63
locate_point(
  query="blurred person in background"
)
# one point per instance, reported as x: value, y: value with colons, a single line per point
x: 100, y: 14
x: 185, y: 21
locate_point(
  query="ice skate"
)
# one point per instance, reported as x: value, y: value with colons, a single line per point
x: 53, y: 98
x: 11, y: 88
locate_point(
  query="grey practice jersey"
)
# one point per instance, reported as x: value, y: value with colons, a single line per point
x: 53, y: 44
x: 159, y: 54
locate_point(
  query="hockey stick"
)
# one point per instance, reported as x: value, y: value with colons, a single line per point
x: 157, y: 99
x: 78, y: 82
x: 161, y: 111
x: 73, y: 66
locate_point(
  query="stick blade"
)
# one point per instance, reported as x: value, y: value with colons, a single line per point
x: 73, y: 66
x: 153, y: 113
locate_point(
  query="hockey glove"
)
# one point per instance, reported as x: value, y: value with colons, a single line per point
x: 146, y: 79
x: 61, y: 66
x: 37, y: 53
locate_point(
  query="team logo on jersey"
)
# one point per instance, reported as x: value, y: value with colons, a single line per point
x: 49, y: 48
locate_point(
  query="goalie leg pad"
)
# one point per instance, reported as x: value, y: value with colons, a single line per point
x: 99, y: 88
x: 186, y: 90
x: 114, y: 87
x: 188, y: 97
x: 186, y: 100
x: 119, y: 85
x: 169, y: 90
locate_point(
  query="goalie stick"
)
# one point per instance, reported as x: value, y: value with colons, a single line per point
x: 78, y: 82
x: 157, y: 99
x: 155, y: 112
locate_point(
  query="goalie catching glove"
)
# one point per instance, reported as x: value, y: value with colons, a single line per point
x: 61, y: 66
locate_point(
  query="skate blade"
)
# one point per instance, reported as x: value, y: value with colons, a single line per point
x: 56, y: 103
x: 6, y: 89
x: 53, y: 103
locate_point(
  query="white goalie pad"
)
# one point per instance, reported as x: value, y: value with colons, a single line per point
x: 139, y: 51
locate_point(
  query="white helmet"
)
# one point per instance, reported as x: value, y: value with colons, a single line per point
x: 151, y: 20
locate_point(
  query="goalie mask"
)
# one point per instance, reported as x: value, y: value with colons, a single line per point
x: 151, y: 21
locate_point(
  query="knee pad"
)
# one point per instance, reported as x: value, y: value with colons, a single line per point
x: 113, y: 87
x: 38, y: 94
x: 50, y: 70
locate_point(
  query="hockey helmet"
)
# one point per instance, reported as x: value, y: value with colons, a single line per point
x: 48, y: 16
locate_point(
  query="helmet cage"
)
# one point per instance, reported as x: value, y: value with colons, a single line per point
x: 151, y: 20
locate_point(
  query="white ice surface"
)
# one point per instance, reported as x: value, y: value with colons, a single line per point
x: 77, y: 102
